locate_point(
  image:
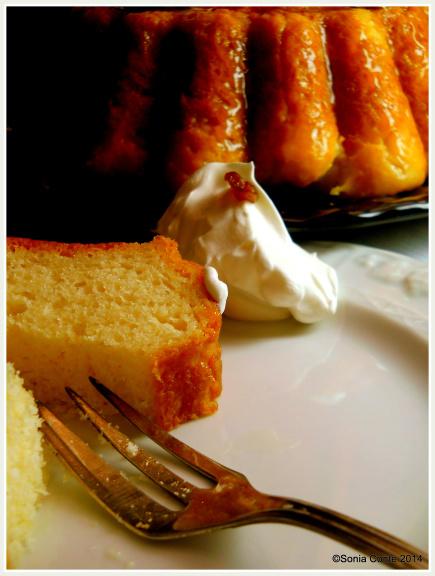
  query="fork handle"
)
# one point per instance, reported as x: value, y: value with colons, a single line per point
x: 365, y: 538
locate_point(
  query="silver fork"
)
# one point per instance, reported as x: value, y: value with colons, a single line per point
x: 232, y: 501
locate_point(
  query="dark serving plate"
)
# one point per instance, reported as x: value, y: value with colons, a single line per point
x: 314, y: 212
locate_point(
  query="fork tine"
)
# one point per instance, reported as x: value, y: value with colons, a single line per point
x: 107, y: 485
x: 151, y: 467
x: 185, y: 453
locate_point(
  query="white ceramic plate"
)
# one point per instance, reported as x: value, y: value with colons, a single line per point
x: 334, y: 413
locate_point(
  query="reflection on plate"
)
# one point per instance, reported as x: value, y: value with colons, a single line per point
x: 314, y: 211
x: 334, y: 413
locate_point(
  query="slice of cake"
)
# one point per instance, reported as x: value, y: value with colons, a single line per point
x: 135, y: 316
x: 25, y: 461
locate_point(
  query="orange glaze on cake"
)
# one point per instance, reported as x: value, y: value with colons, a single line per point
x: 408, y: 30
x: 382, y: 150
x: 294, y: 136
x: 213, y: 109
x: 128, y: 140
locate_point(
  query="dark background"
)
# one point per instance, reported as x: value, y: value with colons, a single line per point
x: 62, y: 69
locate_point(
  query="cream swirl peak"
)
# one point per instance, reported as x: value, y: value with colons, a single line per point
x: 221, y: 217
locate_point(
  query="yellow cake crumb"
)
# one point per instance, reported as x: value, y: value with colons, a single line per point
x: 25, y: 461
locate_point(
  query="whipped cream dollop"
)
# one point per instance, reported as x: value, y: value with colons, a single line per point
x: 239, y: 232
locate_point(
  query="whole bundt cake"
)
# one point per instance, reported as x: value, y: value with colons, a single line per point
x: 337, y: 97
x: 331, y: 99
